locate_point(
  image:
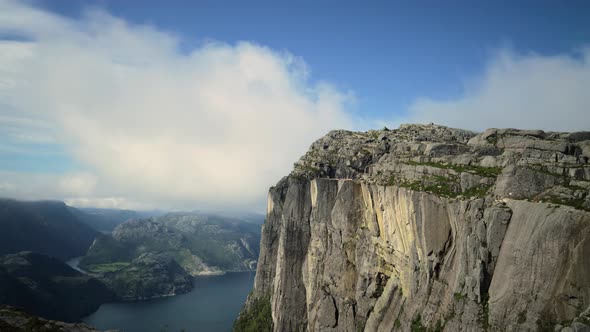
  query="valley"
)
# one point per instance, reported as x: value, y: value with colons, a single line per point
x: 140, y: 261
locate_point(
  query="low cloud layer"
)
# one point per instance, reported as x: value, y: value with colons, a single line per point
x: 152, y: 124
x: 148, y: 125
x: 518, y: 91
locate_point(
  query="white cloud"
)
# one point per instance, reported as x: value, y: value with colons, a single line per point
x: 156, y: 127
x: 213, y: 127
x: 518, y: 91
x: 35, y: 186
x: 107, y: 203
x: 78, y: 184
x: 70, y: 187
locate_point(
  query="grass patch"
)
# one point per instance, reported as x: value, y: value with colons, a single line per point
x: 258, y: 318
x: 445, y: 187
x: 577, y: 203
x: 490, y: 172
x: 415, y: 185
x: 438, y: 185
x: 438, y: 327
x: 442, y: 186
x: 391, y: 180
x: 458, y: 296
x: 417, y: 325
x: 105, y: 268
x: 478, y: 191
x: 483, y: 317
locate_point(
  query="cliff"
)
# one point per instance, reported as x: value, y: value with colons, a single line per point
x: 429, y: 228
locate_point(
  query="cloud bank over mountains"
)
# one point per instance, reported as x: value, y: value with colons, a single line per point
x: 518, y: 91
x: 150, y: 125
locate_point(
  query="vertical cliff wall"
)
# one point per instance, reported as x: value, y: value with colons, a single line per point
x: 430, y: 228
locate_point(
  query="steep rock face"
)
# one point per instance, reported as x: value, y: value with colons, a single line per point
x: 430, y: 227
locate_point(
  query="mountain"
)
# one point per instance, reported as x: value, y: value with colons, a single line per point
x: 198, y: 243
x: 428, y: 228
x: 105, y: 220
x: 16, y: 320
x: 47, y: 227
x: 49, y: 288
x: 148, y: 276
x: 201, y: 244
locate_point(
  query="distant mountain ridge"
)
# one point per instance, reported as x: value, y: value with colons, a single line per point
x: 144, y: 251
x: 105, y: 220
x: 141, y: 258
x: 200, y: 243
x: 55, y: 229
x: 47, y: 227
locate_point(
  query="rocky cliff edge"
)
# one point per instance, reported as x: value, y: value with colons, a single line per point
x: 429, y: 228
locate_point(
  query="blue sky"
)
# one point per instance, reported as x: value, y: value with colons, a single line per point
x: 145, y: 104
x: 387, y: 52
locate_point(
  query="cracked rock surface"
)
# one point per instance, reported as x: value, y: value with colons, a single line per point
x: 430, y: 227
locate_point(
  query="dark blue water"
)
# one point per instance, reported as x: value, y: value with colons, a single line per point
x: 212, y: 305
